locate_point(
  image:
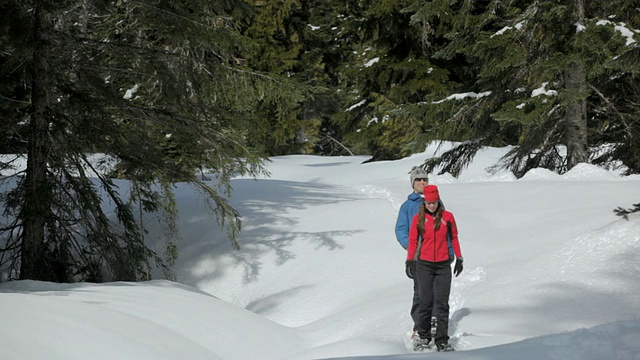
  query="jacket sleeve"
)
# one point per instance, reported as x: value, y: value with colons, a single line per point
x: 454, y: 238
x: 402, y: 226
x: 413, y: 238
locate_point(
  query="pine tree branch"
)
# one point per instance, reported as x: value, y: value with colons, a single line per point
x: 339, y: 144
x: 168, y: 12
x: 16, y: 101
x: 611, y: 106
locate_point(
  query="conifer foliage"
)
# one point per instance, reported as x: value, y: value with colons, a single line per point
x: 549, y: 74
x: 390, y: 69
x: 275, y: 28
x: 157, y: 87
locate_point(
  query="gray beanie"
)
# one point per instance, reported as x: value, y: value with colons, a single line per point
x: 418, y: 173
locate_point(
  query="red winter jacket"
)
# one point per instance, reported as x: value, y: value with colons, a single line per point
x: 434, y: 244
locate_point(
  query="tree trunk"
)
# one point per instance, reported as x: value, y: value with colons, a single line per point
x: 34, y: 261
x: 576, y: 117
x: 576, y: 113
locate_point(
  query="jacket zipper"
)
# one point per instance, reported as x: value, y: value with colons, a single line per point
x: 435, y: 259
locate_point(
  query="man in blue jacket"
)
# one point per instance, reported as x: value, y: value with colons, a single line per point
x: 419, y: 178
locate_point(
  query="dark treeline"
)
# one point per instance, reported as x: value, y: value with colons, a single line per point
x: 168, y: 88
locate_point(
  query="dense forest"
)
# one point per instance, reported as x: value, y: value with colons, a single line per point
x: 168, y: 88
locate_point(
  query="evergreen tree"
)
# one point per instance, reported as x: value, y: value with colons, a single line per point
x: 155, y: 85
x: 544, y: 77
x: 390, y: 69
x: 328, y: 43
x: 13, y: 92
x: 277, y: 29
x: 305, y: 41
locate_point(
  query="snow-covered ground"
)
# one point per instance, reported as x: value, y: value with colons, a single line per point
x: 550, y: 273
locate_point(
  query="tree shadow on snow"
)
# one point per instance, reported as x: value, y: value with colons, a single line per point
x: 266, y: 207
x: 562, y: 304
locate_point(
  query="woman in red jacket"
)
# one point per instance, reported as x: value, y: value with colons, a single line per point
x: 429, y: 261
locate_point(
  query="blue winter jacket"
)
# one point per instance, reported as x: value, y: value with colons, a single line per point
x: 408, y: 209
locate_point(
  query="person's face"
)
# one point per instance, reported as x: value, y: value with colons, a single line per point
x: 419, y: 184
x: 431, y: 206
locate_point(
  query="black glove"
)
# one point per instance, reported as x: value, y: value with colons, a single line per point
x: 410, y: 268
x: 457, y: 269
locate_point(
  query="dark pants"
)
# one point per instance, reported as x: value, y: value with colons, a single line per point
x: 434, y: 287
x: 415, y: 305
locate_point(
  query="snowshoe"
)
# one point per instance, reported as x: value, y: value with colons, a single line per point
x: 421, y: 344
x: 444, y: 347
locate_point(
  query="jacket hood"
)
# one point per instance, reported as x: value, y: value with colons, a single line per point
x: 414, y: 197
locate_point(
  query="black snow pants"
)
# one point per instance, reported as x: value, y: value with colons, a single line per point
x: 434, y: 287
x: 415, y: 305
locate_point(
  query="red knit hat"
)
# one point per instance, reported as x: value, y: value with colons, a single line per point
x: 431, y: 193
